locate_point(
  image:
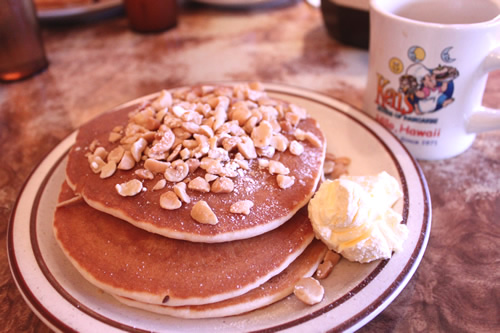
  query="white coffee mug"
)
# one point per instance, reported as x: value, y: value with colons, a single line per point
x: 429, y: 61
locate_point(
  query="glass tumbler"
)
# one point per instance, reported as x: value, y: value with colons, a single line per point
x: 21, y: 48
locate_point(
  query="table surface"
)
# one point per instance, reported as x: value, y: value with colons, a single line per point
x: 98, y: 64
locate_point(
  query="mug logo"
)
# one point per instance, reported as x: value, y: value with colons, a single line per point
x: 422, y: 90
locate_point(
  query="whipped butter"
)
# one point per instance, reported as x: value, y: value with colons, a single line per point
x: 353, y: 216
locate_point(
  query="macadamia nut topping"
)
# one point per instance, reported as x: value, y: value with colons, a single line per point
x: 218, y: 129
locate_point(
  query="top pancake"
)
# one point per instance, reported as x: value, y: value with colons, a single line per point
x: 272, y: 205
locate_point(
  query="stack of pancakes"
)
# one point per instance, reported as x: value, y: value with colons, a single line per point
x: 115, y: 228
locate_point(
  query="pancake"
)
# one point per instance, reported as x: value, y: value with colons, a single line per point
x: 272, y: 204
x: 270, y: 292
x: 121, y: 259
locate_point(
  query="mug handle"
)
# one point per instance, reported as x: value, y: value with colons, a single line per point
x: 486, y: 119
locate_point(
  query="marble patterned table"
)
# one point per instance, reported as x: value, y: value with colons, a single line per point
x: 99, y: 64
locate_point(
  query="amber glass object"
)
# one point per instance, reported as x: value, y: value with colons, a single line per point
x: 151, y: 15
x: 21, y: 47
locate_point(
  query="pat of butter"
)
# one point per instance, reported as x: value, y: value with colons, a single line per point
x: 354, y: 217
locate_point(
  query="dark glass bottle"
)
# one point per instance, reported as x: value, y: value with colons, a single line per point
x: 347, y: 21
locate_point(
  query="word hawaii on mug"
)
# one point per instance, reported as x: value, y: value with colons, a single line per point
x: 429, y: 61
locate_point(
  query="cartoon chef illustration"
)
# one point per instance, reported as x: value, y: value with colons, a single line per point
x: 429, y: 90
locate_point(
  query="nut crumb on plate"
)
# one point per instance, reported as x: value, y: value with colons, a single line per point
x: 309, y: 290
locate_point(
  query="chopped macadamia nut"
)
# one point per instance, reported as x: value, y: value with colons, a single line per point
x: 180, y: 190
x: 160, y: 185
x: 206, y: 131
x: 285, y: 182
x: 175, y: 153
x: 93, y: 145
x: 332, y: 256
x: 146, y: 119
x: 127, y: 162
x: 241, y: 207
x: 185, y: 153
x: 156, y: 166
x: 190, y: 126
x: 262, y: 134
x: 313, y: 139
x: 202, y: 213
x: 246, y: 148
x: 101, y: 152
x: 292, y: 118
x: 96, y: 163
x: 276, y: 167
x: 177, y: 171
x: 230, y: 142
x: 329, y: 261
x: 210, y: 177
x: 267, y: 151
x: 299, y: 134
x: 164, y: 100
x: 328, y: 167
x: 222, y: 185
x: 144, y: 174
x: 340, y: 167
x: 116, y: 154
x: 242, y: 164
x: 324, y: 269
x: 178, y: 110
x: 250, y: 124
x: 343, y: 160
x: 263, y: 163
x: 297, y: 110
x: 329, y: 156
x: 114, y: 137
x: 108, y: 169
x: 130, y: 188
x: 309, y: 290
x: 211, y: 165
x: 137, y: 149
x: 193, y: 164
x: 256, y: 86
x: 170, y: 201
x: 159, y: 150
x: 279, y: 142
x: 190, y: 143
x: 241, y: 115
x: 199, y: 184
x: 218, y: 154
x: 296, y: 148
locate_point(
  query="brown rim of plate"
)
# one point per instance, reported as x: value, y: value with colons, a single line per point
x: 52, y: 319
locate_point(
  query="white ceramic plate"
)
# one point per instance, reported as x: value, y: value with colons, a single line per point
x: 355, y: 293
x: 78, y: 11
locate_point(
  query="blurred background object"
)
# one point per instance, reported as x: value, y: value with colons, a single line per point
x: 151, y: 15
x: 76, y: 11
x: 22, y: 53
x: 347, y: 21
